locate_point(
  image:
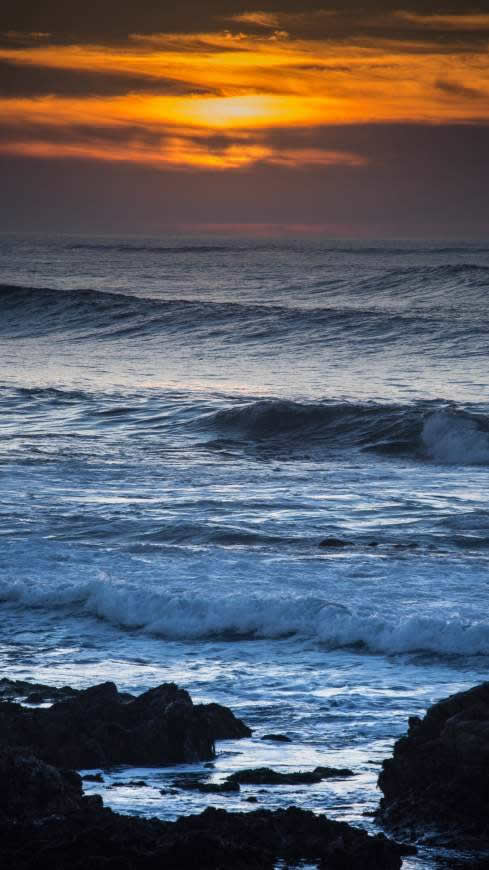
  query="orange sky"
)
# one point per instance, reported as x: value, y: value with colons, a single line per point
x: 217, y: 100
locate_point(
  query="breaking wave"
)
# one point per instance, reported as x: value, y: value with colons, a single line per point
x: 429, y: 431
x: 442, y: 434
x: 190, y: 617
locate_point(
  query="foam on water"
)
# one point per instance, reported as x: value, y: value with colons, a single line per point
x: 455, y: 439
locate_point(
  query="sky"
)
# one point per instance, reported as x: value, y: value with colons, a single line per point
x: 360, y: 119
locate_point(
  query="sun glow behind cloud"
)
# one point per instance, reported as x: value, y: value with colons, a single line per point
x: 229, y: 94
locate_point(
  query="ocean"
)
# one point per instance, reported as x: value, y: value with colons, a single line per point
x: 184, y: 419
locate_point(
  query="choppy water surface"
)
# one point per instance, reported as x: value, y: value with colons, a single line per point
x: 183, y: 421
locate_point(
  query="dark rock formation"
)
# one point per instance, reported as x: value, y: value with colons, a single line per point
x: 222, y: 722
x: 32, y: 789
x: 98, y: 727
x: 436, y: 785
x: 277, y: 738
x: 93, y: 777
x: 267, y: 776
x: 33, y: 693
x: 228, y: 786
x: 46, y: 822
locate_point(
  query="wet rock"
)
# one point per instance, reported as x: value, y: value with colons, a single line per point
x: 45, y: 821
x: 207, y: 787
x: 334, y: 543
x: 98, y: 727
x: 32, y: 789
x: 224, y: 725
x: 33, y: 693
x: 277, y: 738
x: 267, y: 776
x: 93, y: 777
x: 436, y: 784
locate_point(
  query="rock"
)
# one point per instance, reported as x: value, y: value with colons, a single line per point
x: 93, y: 777
x: 267, y: 776
x: 207, y: 787
x: 34, y: 790
x: 98, y: 727
x: 278, y: 738
x: 46, y: 822
x: 334, y: 542
x: 223, y: 723
x: 33, y: 693
x: 437, y: 779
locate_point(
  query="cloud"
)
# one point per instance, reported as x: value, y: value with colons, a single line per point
x: 267, y: 20
x: 25, y: 80
x: 456, y: 90
x: 174, y: 94
x: 159, y: 148
x: 462, y: 22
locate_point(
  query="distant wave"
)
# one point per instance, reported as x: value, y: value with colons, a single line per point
x: 188, y: 616
x: 383, y: 251
x: 79, y: 315
x: 250, y: 247
x: 122, y: 248
x: 441, y: 433
x: 447, y: 269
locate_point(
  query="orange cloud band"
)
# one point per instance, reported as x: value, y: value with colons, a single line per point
x: 244, y: 86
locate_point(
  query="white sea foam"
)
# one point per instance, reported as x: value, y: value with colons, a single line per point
x: 455, y: 439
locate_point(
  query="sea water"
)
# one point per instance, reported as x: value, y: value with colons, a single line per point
x: 183, y: 421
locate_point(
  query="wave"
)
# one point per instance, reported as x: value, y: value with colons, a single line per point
x: 445, y: 270
x: 446, y: 435
x: 425, y: 430
x: 80, y: 315
x: 156, y: 249
x: 190, y: 617
x: 250, y: 247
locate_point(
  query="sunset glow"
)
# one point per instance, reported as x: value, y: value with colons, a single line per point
x: 187, y: 89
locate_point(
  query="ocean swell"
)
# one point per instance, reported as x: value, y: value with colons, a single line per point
x: 80, y: 315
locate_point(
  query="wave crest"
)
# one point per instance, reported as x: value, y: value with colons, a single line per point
x: 190, y: 617
x: 443, y: 435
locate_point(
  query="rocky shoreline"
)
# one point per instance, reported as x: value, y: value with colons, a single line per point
x: 435, y: 787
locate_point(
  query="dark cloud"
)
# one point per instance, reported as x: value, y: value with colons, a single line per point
x: 71, y: 21
x: 458, y: 90
x: 81, y: 135
x: 17, y: 80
